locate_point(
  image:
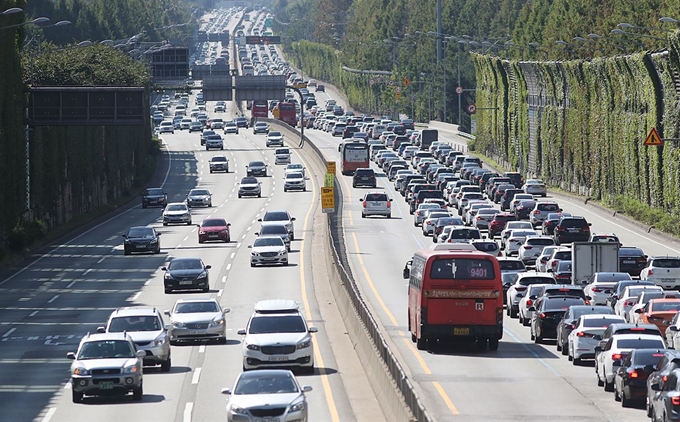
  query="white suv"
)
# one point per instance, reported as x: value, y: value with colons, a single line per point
x: 376, y: 203
x: 277, y: 335
x: 662, y: 270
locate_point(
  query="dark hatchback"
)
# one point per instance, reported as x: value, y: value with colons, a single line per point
x: 630, y: 379
x: 524, y: 208
x: 241, y: 122
x: 547, y: 316
x: 141, y: 239
x: 551, y: 221
x: 364, y: 177
x: 497, y: 225
x: 632, y: 260
x: 154, y: 196
x: 515, y: 178
x: 572, y: 229
x: 256, y: 168
x: 186, y: 274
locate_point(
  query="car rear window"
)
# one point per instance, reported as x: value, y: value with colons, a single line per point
x: 613, y: 277
x: 665, y: 306
x: 547, y: 207
x: 376, y: 197
x: 666, y: 263
x: 573, y: 222
x: 364, y: 172
x: 462, y: 269
x: 511, y: 265
x: 647, y: 357
x: 600, y: 322
x: 465, y: 234
x: 486, y: 246
x: 639, y: 344
x: 561, y: 304
x: 630, y: 252
x: 562, y: 255
x: 540, y: 242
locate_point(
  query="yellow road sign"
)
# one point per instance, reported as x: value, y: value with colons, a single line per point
x: 329, y: 180
x: 330, y: 167
x: 653, y: 139
x: 397, y: 95
x: 328, y: 199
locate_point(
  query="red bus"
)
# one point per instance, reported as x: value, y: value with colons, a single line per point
x: 454, y: 295
x: 287, y: 113
x: 355, y: 155
x: 259, y: 109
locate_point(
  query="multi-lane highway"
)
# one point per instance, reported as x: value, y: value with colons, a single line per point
x: 522, y: 380
x: 47, y: 306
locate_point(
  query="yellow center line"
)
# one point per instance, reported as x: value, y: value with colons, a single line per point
x: 318, y: 359
x: 445, y: 397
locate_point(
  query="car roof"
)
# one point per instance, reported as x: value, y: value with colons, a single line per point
x: 196, y: 299
x: 135, y: 311
x: 636, y: 336
x: 104, y: 336
x: 276, y: 306
x: 601, y: 316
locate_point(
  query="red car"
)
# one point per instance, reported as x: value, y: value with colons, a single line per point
x: 497, y: 225
x: 214, y: 229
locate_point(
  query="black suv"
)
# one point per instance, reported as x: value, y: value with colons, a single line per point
x: 632, y: 260
x: 515, y: 178
x: 364, y: 177
x: 572, y: 229
x: 155, y: 196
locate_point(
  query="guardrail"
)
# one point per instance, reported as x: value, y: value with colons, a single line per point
x: 345, y: 282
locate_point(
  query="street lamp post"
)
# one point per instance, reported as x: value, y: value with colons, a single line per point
x: 536, y: 46
x: 618, y: 45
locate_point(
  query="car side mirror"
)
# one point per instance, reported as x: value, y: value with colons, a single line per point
x: 306, y: 388
x: 164, y: 268
x: 101, y: 329
x: 673, y: 328
x: 241, y: 332
x: 259, y: 219
x: 257, y: 233
x: 597, y: 337
x: 250, y: 246
x: 639, y: 311
x: 167, y: 327
x: 226, y: 311
x: 313, y: 329
x: 598, y: 348
x: 585, y: 283
x: 125, y: 236
x: 532, y: 297
x: 71, y: 355
x: 656, y: 386
x: 226, y: 391
x: 292, y: 219
x: 589, y: 298
x: 207, y: 267
x: 140, y: 353
x: 549, y: 270
x: 532, y: 308
x: 406, y: 273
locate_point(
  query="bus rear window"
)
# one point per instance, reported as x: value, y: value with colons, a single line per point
x: 462, y: 269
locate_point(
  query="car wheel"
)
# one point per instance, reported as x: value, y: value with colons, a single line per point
x: 188, y: 223
x: 421, y: 343
x: 168, y: 291
x: 165, y: 366
x: 158, y: 250
x: 285, y: 264
x: 363, y: 215
x: 211, y: 172
x: 138, y: 393
x: 252, y: 264
x: 600, y: 383
x: 239, y: 195
x: 531, y: 335
x: 200, y: 241
x: 304, y: 189
x: 493, y: 344
x: 165, y: 224
x: 608, y: 386
x: 390, y: 216
x: 206, y: 289
x: 565, y: 350
x: 285, y: 190
x: 513, y: 313
x: 76, y: 396
x: 144, y: 205
x: 126, y: 252
x: 259, y: 195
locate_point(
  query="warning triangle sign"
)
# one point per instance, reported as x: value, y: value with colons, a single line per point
x: 407, y: 81
x: 653, y: 139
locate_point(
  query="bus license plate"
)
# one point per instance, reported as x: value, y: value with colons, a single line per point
x: 106, y: 385
x: 461, y: 331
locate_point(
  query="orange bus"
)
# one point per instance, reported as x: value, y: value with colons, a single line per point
x: 259, y: 108
x: 454, y: 295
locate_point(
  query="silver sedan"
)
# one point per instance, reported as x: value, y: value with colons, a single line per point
x: 197, y: 319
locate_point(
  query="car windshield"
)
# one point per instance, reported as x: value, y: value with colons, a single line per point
x: 256, y: 164
x: 177, y: 207
x: 134, y: 323
x: 273, y: 229
x: 214, y: 222
x: 248, y: 181
x: 603, y: 322
x: 511, y: 265
x: 294, y: 176
x: 219, y: 158
x: 105, y: 349
x: 155, y: 192
x: 276, y: 216
x: 185, y: 264
x: 269, y: 241
x: 294, y: 166
x: 196, y: 307
x: 272, y: 134
x: 277, y: 324
x: 268, y: 384
x: 141, y: 232
x: 199, y: 192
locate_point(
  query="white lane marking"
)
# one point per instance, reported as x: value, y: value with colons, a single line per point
x: 248, y: 229
x: 197, y: 375
x: 70, y: 284
x: 147, y: 282
x: 103, y: 257
x: 40, y: 258
x: 238, y: 245
x: 201, y: 348
x: 233, y: 254
x: 253, y: 222
x: 67, y: 385
x: 87, y: 271
x: 243, y: 237
x: 225, y: 278
x: 50, y: 413
x: 10, y: 331
x: 185, y: 239
x: 219, y: 293
x: 187, y: 412
x: 136, y: 296
x: 53, y: 299
x: 34, y: 313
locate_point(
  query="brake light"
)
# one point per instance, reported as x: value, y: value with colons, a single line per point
x: 364, y: 204
x: 627, y: 303
x: 664, y: 378
x: 633, y: 374
x: 389, y: 204
x: 528, y: 247
x: 675, y: 400
x: 542, y: 315
x: 560, y: 229
x: 553, y: 264
x: 584, y: 334
x: 537, y: 212
x: 547, y: 223
x: 530, y: 302
x: 650, y: 272
x: 617, y: 356
x: 520, y: 288
x: 637, y: 329
x: 597, y: 290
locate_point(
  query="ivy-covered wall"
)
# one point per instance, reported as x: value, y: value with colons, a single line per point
x: 594, y: 116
